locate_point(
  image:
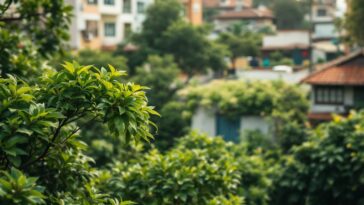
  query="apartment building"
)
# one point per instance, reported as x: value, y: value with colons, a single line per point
x: 323, y: 16
x: 102, y: 24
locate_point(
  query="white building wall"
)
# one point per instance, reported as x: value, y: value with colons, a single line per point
x: 204, y: 120
x: 75, y: 36
x: 254, y: 123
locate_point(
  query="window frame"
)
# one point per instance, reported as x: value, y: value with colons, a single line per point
x: 329, y: 95
x: 92, y: 2
x: 323, y: 10
x: 129, y: 9
x: 139, y: 9
x: 109, y: 2
x: 105, y: 30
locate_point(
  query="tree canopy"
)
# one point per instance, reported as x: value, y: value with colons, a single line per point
x: 31, y: 32
x: 354, y: 21
x: 289, y: 14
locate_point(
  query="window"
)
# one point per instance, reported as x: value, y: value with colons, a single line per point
x: 110, y: 29
x: 141, y: 7
x: 109, y: 2
x: 127, y: 30
x: 92, y: 1
x: 127, y: 6
x: 91, y: 30
x: 321, y: 12
x: 329, y: 95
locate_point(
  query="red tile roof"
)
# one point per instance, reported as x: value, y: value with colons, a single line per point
x: 348, y: 70
x: 247, y: 14
x: 210, y: 3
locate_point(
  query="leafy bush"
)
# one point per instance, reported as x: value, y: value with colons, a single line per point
x: 176, y: 178
x: 100, y: 59
x: 39, y: 133
x: 328, y: 168
x: 16, y: 188
x: 199, y: 170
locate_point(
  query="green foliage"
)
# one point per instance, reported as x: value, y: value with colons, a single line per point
x: 254, y: 140
x: 353, y: 21
x: 100, y: 59
x: 159, y: 17
x: 236, y: 98
x: 159, y: 74
x: 222, y: 200
x: 39, y: 134
x: 198, y: 170
x: 241, y: 43
x: 16, y: 188
x: 190, y: 47
x: 181, y: 176
x: 24, y: 44
x: 174, y: 123
x: 289, y: 14
x: 165, y: 32
x: 328, y: 168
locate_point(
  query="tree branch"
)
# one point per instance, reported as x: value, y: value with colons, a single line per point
x: 19, y: 18
x: 55, y: 135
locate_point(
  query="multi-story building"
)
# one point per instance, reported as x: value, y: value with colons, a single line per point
x: 323, y: 16
x: 102, y: 24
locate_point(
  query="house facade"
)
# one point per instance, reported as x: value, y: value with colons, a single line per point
x: 323, y: 16
x: 102, y: 24
x: 254, y: 19
x: 337, y: 87
x: 214, y: 124
x: 293, y: 44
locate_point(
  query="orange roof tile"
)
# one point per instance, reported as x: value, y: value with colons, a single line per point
x: 246, y: 14
x: 348, y: 70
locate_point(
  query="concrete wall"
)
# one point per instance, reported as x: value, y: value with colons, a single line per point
x: 254, y: 123
x: 204, y: 120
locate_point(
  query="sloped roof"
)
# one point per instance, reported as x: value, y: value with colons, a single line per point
x: 347, y: 70
x: 246, y: 14
x: 210, y: 3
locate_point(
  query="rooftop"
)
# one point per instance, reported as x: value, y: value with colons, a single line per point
x: 286, y: 39
x: 247, y: 13
x: 347, y: 70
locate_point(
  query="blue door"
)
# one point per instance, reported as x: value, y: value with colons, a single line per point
x: 297, y: 57
x: 228, y: 128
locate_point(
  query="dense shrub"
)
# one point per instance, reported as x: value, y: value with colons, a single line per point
x: 39, y: 134
x: 328, y: 168
x: 199, y: 170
